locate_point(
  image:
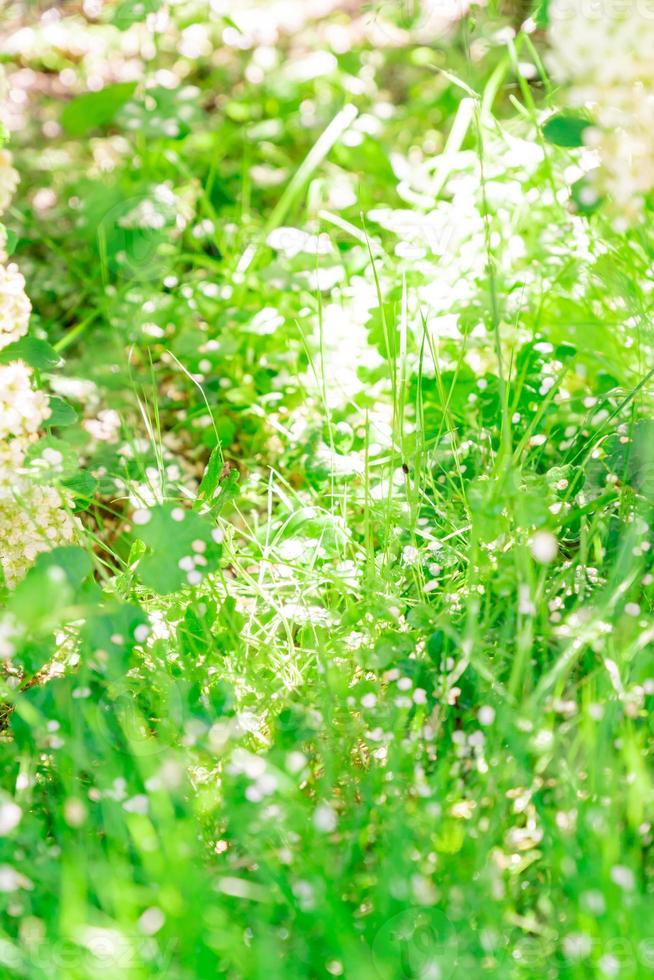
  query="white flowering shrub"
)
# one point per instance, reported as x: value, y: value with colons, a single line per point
x: 22, y: 408
x: 33, y: 517
x: 605, y: 52
x: 8, y: 179
x: 14, y: 305
x: 327, y: 564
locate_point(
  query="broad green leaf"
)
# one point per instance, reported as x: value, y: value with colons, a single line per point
x: 566, y: 130
x: 39, y: 354
x: 109, y: 635
x: 542, y: 13
x: 164, y: 114
x: 436, y: 646
x: 61, y: 413
x: 390, y: 647
x: 585, y: 197
x: 51, y: 459
x: 12, y: 242
x: 51, y: 587
x: 82, y: 485
x: 95, y: 109
x: 383, y: 330
x: 182, y: 548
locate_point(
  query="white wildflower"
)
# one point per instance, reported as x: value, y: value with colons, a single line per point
x: 11, y: 880
x: 577, y: 946
x: 605, y: 52
x: 410, y: 555
x: 544, y: 547
x: 10, y: 816
x: 32, y: 520
x: 8, y: 180
x: 623, y: 877
x: 324, y: 818
x: 22, y: 409
x: 15, y: 307
x: 486, y: 715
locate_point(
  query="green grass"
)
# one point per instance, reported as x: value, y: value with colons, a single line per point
x: 374, y: 736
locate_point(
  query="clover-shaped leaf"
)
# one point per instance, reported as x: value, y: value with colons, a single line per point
x: 182, y: 547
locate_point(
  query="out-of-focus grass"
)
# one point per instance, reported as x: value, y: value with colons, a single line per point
x: 401, y: 728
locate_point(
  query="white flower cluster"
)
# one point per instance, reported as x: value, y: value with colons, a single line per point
x: 605, y: 50
x: 32, y: 522
x: 22, y: 408
x: 33, y: 517
x: 15, y: 307
x: 8, y: 180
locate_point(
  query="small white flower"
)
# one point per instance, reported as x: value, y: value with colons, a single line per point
x: 295, y: 761
x: 137, y: 804
x: 623, y: 877
x: 577, y: 946
x: 11, y: 879
x: 486, y: 715
x: 410, y: 555
x: 293, y: 241
x: 151, y: 921
x: 609, y: 965
x: 544, y: 547
x: 10, y: 817
x: 74, y: 812
x: 324, y: 818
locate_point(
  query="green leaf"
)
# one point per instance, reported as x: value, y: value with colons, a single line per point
x: 39, y: 354
x: 50, y: 588
x: 110, y: 634
x: 164, y: 114
x: 542, y: 13
x: 211, y: 479
x: 51, y: 459
x: 436, y: 646
x: 74, y: 562
x: 61, y: 413
x: 390, y: 647
x: 383, y: 330
x: 585, y: 197
x: 94, y: 109
x: 82, y: 485
x: 566, y: 130
x: 181, y: 547
x: 219, y: 483
x: 133, y: 12
x: 12, y: 242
